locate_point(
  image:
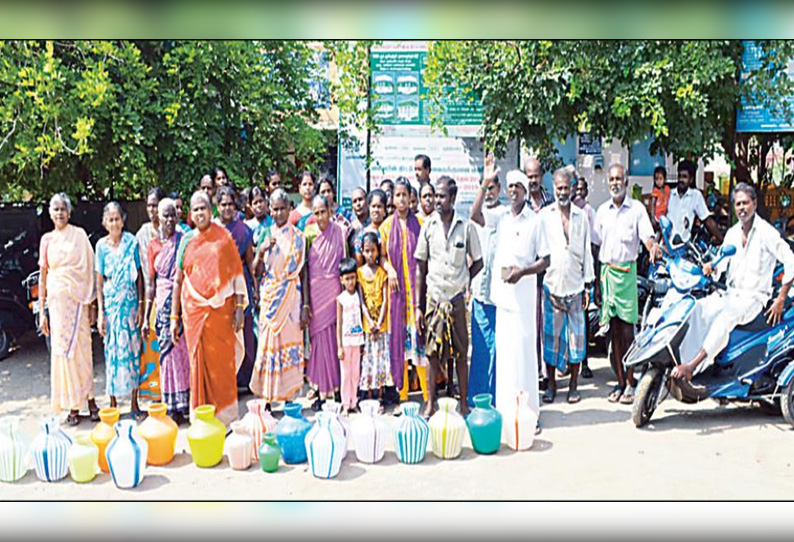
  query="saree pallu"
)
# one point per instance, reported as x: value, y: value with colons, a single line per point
x: 174, y: 361
x: 278, y: 371
x: 325, y: 253
x: 122, y: 336
x: 69, y: 260
x: 212, y: 276
x: 400, y: 247
x: 149, y: 378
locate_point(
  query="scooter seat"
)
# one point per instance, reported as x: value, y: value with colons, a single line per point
x: 757, y: 325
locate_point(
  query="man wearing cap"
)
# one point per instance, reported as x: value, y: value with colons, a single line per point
x: 520, y: 254
x: 620, y: 224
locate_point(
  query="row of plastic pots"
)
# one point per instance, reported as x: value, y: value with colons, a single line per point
x: 124, y: 449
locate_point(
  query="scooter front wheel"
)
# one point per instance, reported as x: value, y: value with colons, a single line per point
x: 647, y: 396
x: 787, y: 402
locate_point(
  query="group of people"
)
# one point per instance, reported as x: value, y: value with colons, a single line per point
x: 253, y: 293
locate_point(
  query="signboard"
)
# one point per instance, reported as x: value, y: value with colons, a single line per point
x: 589, y: 145
x: 403, y: 115
x: 399, y: 94
x: 751, y: 117
x: 458, y: 157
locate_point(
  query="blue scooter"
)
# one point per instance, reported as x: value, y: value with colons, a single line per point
x: 757, y: 365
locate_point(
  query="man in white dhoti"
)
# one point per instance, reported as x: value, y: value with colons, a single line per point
x: 520, y: 254
x: 749, y: 280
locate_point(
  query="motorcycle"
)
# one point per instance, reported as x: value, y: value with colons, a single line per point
x: 15, y: 316
x: 757, y: 365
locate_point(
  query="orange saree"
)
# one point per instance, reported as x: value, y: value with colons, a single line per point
x: 212, y: 275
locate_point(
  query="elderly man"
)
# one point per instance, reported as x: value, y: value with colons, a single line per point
x: 519, y: 256
x: 482, y: 372
x: 687, y: 203
x: 620, y: 224
x: 446, y: 242
x: 567, y: 232
x: 749, y: 280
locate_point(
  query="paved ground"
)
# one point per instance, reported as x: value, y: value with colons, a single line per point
x: 586, y: 451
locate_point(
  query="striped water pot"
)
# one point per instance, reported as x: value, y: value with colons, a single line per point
x: 520, y: 421
x: 447, y: 429
x: 369, y: 432
x: 411, y: 435
x: 126, y: 455
x: 50, y: 451
x: 325, y: 446
x: 12, y: 450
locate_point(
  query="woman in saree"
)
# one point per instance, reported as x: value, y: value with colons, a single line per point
x: 284, y: 307
x: 339, y: 214
x: 149, y: 383
x: 399, y: 234
x: 210, y: 298
x: 119, y: 288
x: 326, y: 242
x: 376, y: 201
x: 243, y: 238
x: 302, y: 216
x: 174, y: 360
x: 66, y: 311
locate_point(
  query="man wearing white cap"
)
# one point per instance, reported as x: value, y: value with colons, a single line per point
x: 520, y: 254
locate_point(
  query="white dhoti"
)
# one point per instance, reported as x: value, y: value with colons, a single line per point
x: 711, y: 323
x: 516, y: 357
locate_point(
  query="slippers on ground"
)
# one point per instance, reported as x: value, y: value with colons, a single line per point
x: 628, y: 396
x: 538, y: 429
x: 574, y: 397
x: 549, y: 395
x: 615, y: 394
x: 72, y: 419
x: 586, y: 372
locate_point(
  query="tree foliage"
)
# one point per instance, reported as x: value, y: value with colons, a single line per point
x: 111, y: 118
x: 684, y: 94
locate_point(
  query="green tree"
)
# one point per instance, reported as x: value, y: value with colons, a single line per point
x: 683, y: 93
x: 111, y: 118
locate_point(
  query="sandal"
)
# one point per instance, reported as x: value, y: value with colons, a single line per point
x: 317, y: 405
x: 573, y: 397
x: 586, y: 371
x: 549, y: 395
x: 615, y: 394
x: 628, y: 396
x: 72, y: 419
x: 139, y: 415
x: 93, y: 415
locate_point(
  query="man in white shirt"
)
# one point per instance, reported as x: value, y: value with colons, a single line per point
x: 621, y: 224
x: 567, y: 232
x: 520, y: 255
x: 482, y: 370
x: 749, y: 280
x: 687, y: 203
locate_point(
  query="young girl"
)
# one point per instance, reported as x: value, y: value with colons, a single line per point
x: 373, y: 286
x: 660, y: 194
x: 119, y: 285
x: 349, y: 333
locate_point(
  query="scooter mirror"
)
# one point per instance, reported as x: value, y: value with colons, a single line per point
x: 667, y: 228
x: 728, y: 250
